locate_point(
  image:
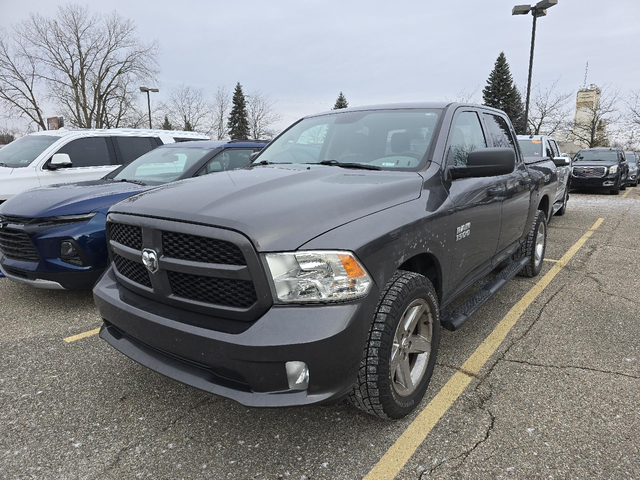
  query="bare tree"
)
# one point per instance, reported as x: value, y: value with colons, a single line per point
x: 20, y: 82
x: 550, y: 110
x: 633, y: 108
x: 262, y: 115
x: 189, y: 108
x: 595, y: 115
x: 221, y: 109
x: 88, y: 61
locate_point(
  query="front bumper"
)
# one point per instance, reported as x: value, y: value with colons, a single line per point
x: 602, y: 182
x: 248, y: 367
x: 50, y: 271
x: 74, y: 280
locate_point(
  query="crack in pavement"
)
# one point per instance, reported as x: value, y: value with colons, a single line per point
x: 575, y: 367
x: 135, y: 444
x: 463, y: 456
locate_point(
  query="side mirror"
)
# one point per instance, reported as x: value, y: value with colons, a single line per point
x: 253, y: 156
x: 60, y: 160
x: 561, y: 161
x: 486, y: 162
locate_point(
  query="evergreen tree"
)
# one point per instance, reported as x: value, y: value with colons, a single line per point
x: 341, y: 102
x: 238, y: 118
x: 502, y: 93
x: 166, y: 125
x: 187, y: 126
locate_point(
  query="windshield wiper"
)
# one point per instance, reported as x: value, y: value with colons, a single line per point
x: 4, y: 165
x: 335, y: 163
x: 265, y: 162
x: 136, y: 182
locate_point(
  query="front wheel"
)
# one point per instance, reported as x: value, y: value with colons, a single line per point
x: 534, y: 247
x: 401, y: 348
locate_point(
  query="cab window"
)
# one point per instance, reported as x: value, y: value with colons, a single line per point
x: 499, y: 131
x: 466, y: 136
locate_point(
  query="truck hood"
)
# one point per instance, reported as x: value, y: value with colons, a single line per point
x: 278, y: 208
x: 70, y: 198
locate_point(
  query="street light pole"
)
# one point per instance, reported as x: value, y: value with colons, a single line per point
x: 147, y: 90
x: 537, y: 10
x: 533, y: 44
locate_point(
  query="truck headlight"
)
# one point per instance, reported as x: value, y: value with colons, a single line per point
x: 613, y: 169
x: 317, y: 276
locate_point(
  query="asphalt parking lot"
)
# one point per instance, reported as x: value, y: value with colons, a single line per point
x: 555, y: 394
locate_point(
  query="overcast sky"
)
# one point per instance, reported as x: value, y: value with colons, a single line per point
x: 304, y: 53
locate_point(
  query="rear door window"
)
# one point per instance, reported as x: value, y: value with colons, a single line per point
x: 88, y: 152
x: 130, y: 148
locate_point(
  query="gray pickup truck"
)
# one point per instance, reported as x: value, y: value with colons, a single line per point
x: 539, y: 148
x: 325, y: 270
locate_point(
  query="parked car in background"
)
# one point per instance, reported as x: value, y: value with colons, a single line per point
x: 633, y: 161
x: 600, y: 168
x: 323, y: 273
x: 54, y: 237
x: 541, y: 147
x: 66, y: 156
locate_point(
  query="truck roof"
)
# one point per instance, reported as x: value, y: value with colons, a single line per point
x: 409, y: 105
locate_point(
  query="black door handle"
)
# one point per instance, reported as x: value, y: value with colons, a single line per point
x: 494, y: 192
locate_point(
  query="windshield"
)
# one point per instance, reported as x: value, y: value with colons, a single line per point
x: 161, y: 165
x: 596, y: 156
x: 21, y: 152
x: 631, y: 158
x: 531, y: 148
x: 388, y: 140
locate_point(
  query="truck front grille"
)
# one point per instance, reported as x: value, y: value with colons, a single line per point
x: 17, y: 245
x: 208, y: 270
x: 134, y: 271
x: 219, y: 291
x: 127, y: 235
x: 201, y: 249
x: 589, y: 172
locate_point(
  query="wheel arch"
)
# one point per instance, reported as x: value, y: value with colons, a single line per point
x: 426, y: 264
x: 545, y: 205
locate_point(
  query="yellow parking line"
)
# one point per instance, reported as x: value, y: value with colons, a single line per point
x: 550, y: 260
x: 405, y: 446
x: 90, y: 333
x: 627, y: 192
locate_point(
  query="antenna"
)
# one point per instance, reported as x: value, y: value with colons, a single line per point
x: 586, y: 72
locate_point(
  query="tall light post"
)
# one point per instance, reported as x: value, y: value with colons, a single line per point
x: 537, y: 10
x: 147, y: 90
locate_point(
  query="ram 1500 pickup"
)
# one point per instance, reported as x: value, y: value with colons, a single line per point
x: 325, y: 269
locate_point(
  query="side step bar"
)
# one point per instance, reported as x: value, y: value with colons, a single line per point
x: 454, y: 320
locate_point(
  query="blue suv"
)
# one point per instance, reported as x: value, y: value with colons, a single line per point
x: 54, y: 237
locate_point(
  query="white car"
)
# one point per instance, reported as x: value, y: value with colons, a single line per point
x: 66, y: 156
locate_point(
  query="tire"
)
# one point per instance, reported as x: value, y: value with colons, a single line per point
x: 615, y: 191
x: 623, y: 186
x: 378, y: 390
x: 563, y: 209
x: 530, y: 248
